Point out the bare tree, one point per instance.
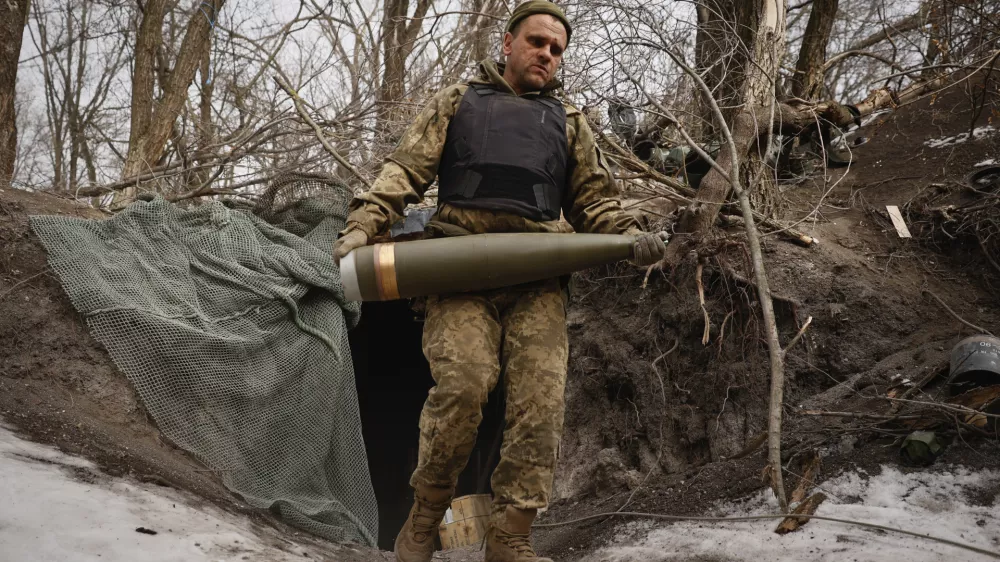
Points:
(359, 69)
(76, 81)
(148, 41)
(14, 16)
(145, 150)
(358, 87)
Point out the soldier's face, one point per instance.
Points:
(534, 53)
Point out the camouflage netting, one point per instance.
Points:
(234, 333)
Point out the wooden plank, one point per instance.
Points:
(808, 479)
(897, 221)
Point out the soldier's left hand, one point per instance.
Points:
(649, 248)
(346, 243)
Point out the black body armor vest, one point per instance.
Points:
(506, 153)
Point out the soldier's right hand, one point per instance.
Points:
(346, 243)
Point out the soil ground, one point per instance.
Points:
(653, 415)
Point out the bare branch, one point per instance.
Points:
(319, 132)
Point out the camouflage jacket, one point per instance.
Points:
(591, 203)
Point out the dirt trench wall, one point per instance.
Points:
(57, 384)
(622, 408)
(705, 403)
(44, 340)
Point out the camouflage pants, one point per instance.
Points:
(468, 338)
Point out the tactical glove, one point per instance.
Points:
(649, 248)
(346, 243)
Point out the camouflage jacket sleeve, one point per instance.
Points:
(593, 203)
(409, 170)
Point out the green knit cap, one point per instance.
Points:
(532, 7)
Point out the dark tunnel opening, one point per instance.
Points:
(392, 379)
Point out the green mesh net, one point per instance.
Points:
(233, 330)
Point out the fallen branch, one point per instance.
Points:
(922, 383)
(775, 356)
(954, 408)
(797, 337)
(752, 446)
(977, 398)
(736, 277)
(744, 127)
(807, 507)
(808, 478)
(789, 233)
(957, 317)
(8, 292)
(858, 415)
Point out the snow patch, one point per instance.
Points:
(977, 133)
(56, 507)
(987, 162)
(937, 503)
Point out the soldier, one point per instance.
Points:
(509, 157)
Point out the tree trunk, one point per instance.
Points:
(745, 88)
(146, 149)
(481, 34)
(704, 49)
(206, 129)
(939, 41)
(88, 161)
(77, 130)
(398, 38)
(13, 18)
(807, 82)
(148, 41)
(55, 106)
(391, 90)
(724, 40)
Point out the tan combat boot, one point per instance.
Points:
(415, 542)
(509, 537)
